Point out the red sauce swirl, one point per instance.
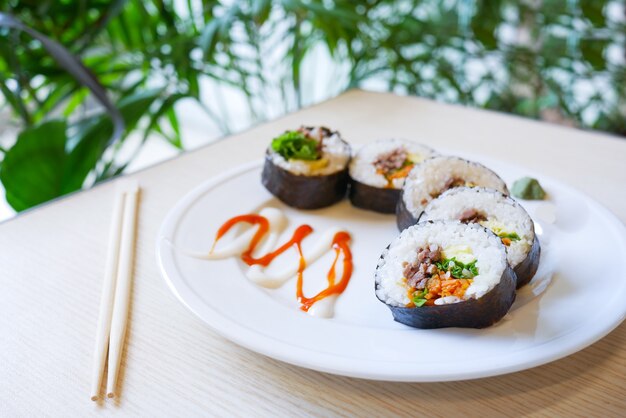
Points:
(340, 244)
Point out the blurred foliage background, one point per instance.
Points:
(561, 61)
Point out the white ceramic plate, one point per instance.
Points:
(571, 303)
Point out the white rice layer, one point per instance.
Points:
(428, 180)
(362, 167)
(503, 215)
(335, 157)
(486, 248)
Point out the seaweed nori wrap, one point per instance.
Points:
(378, 170)
(424, 286)
(404, 218)
(377, 199)
(526, 270)
(472, 313)
(304, 192)
(307, 168)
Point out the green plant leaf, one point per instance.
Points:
(593, 52)
(216, 28)
(14, 101)
(167, 109)
(554, 48)
(175, 139)
(592, 10)
(32, 169)
(208, 39)
(485, 22)
(90, 142)
(261, 10)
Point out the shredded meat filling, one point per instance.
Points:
(322, 133)
(391, 161)
(471, 216)
(453, 182)
(418, 273)
(449, 184)
(306, 130)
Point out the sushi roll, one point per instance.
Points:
(439, 274)
(378, 170)
(307, 168)
(436, 175)
(499, 213)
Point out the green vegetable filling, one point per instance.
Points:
(419, 297)
(457, 269)
(510, 235)
(528, 188)
(404, 165)
(296, 145)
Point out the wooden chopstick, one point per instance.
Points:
(114, 304)
(106, 301)
(122, 290)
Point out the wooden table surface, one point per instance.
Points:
(52, 262)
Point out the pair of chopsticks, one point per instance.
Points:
(114, 304)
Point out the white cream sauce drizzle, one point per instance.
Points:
(259, 275)
(274, 279)
(324, 308)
